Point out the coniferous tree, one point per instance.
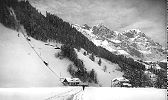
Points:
(92, 57)
(99, 62)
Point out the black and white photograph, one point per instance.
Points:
(83, 50)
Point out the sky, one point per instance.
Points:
(118, 15)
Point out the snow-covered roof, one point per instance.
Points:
(127, 84)
(120, 79)
(71, 80)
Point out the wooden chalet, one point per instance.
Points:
(71, 81)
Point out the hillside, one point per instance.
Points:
(51, 28)
(106, 69)
(20, 65)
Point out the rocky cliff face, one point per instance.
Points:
(131, 42)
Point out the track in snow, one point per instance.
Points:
(72, 93)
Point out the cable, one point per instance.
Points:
(19, 27)
(41, 57)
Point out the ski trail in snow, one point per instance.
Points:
(56, 96)
(70, 93)
(78, 96)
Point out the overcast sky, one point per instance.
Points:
(118, 15)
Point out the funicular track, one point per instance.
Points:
(20, 29)
(72, 92)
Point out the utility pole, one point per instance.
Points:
(60, 77)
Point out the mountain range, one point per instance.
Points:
(132, 43)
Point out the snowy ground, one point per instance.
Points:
(20, 65)
(76, 93)
(48, 53)
(58, 93)
(124, 94)
(104, 76)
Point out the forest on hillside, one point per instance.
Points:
(53, 28)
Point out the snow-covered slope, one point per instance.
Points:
(104, 77)
(48, 53)
(21, 66)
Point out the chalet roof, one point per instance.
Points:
(83, 84)
(127, 84)
(71, 80)
(120, 79)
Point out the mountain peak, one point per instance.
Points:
(131, 33)
(101, 25)
(132, 30)
(85, 26)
